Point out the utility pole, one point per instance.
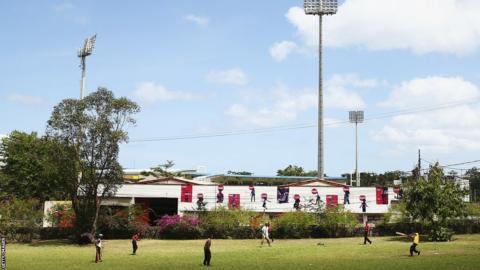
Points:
(419, 165)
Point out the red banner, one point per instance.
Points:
(332, 200)
(234, 201)
(381, 195)
(186, 194)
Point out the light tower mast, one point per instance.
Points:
(82, 54)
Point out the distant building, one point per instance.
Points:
(178, 195)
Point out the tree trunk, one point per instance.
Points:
(97, 211)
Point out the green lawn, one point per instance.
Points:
(344, 253)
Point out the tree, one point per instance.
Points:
(435, 200)
(94, 127)
(35, 167)
(369, 179)
(473, 176)
(164, 170)
(293, 170)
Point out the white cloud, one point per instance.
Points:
(25, 99)
(338, 93)
(445, 26)
(282, 104)
(60, 7)
(280, 50)
(199, 20)
(431, 90)
(82, 20)
(149, 92)
(452, 128)
(230, 76)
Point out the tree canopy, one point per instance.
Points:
(94, 127)
(434, 199)
(293, 170)
(36, 167)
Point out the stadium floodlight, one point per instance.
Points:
(356, 117)
(320, 8)
(82, 54)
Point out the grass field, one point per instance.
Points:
(344, 253)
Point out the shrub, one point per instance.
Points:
(336, 222)
(294, 225)
(61, 215)
(225, 223)
(20, 219)
(176, 227)
(440, 234)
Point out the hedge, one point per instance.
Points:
(228, 231)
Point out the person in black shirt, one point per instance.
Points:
(364, 205)
(346, 197)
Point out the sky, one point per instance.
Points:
(250, 68)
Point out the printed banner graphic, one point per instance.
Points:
(282, 194)
(186, 195)
(234, 201)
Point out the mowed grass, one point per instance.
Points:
(344, 253)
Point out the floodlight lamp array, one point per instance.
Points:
(87, 47)
(356, 116)
(320, 7)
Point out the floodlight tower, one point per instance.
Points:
(82, 54)
(356, 117)
(320, 8)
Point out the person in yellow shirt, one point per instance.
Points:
(416, 241)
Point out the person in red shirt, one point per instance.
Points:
(366, 230)
(135, 238)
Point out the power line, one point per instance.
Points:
(452, 166)
(412, 110)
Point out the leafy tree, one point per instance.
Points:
(35, 167)
(474, 176)
(369, 179)
(164, 170)
(435, 200)
(293, 170)
(94, 127)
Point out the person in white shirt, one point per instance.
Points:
(265, 234)
(98, 248)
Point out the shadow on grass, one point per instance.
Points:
(42, 243)
(398, 239)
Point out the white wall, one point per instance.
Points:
(210, 193)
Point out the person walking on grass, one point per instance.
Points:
(366, 230)
(98, 248)
(265, 234)
(207, 254)
(416, 240)
(135, 238)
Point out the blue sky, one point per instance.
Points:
(208, 67)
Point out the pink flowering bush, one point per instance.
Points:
(176, 227)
